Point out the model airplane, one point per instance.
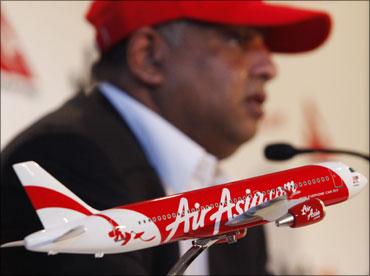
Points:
(295, 197)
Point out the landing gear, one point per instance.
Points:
(231, 239)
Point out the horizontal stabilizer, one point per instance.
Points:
(74, 232)
(13, 244)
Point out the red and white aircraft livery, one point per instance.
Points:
(295, 197)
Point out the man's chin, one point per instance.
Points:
(238, 140)
(228, 143)
(248, 133)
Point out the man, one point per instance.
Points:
(180, 85)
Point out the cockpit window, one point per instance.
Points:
(351, 170)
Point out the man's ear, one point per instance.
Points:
(145, 51)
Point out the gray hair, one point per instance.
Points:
(115, 58)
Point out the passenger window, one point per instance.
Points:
(154, 219)
(139, 222)
(169, 216)
(304, 183)
(322, 179)
(309, 182)
(216, 204)
(313, 181)
(300, 184)
(318, 180)
(212, 205)
(159, 218)
(173, 215)
(164, 217)
(327, 178)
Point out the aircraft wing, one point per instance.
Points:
(270, 210)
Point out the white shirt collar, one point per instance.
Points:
(177, 159)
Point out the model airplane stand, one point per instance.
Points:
(197, 248)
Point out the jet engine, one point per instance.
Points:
(305, 213)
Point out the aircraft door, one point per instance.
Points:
(338, 182)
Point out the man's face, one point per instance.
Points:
(214, 86)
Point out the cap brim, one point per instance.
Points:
(288, 29)
(297, 30)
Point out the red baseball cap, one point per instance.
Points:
(288, 29)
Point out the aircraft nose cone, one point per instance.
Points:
(359, 182)
(363, 181)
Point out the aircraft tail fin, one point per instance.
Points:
(53, 202)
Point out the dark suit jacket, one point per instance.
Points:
(86, 145)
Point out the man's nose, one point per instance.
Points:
(263, 67)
